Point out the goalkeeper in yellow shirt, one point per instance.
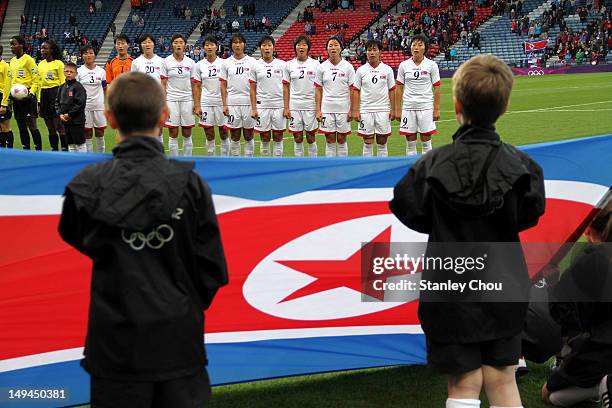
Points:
(23, 70)
(51, 73)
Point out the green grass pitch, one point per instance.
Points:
(542, 108)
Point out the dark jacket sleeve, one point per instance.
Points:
(78, 100)
(411, 201)
(532, 202)
(71, 225)
(58, 100)
(211, 271)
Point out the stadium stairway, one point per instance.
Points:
(194, 37)
(496, 38)
(357, 19)
(54, 14)
(286, 23)
(109, 42)
(275, 10)
(11, 26)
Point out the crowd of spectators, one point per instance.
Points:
(442, 25)
(333, 5)
(589, 45)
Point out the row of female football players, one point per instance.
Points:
(240, 95)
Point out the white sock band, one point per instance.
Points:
(462, 403)
(187, 146)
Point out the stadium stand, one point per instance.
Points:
(441, 23)
(71, 24)
(358, 19)
(163, 18)
(3, 7)
(275, 11)
(498, 38)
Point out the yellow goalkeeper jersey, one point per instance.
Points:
(23, 71)
(4, 67)
(51, 74)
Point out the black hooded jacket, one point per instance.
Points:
(476, 189)
(149, 225)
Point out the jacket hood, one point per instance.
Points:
(474, 173)
(140, 188)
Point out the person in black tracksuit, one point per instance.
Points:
(149, 225)
(70, 107)
(581, 303)
(476, 189)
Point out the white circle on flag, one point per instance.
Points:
(270, 282)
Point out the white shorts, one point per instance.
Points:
(239, 118)
(303, 120)
(212, 116)
(374, 123)
(334, 122)
(270, 119)
(181, 114)
(95, 119)
(420, 121)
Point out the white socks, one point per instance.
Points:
(173, 146)
(298, 149)
(161, 139)
(381, 150)
(249, 148)
(330, 150)
(211, 147)
(605, 393)
(225, 147)
(81, 148)
(426, 146)
(278, 149)
(187, 146)
(100, 147)
(89, 145)
(462, 403)
(368, 150)
(234, 148)
(264, 149)
(342, 150)
(411, 148)
(313, 150)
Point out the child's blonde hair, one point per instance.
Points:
(483, 85)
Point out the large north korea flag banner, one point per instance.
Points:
(293, 231)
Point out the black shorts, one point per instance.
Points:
(453, 358)
(25, 108)
(8, 114)
(192, 391)
(47, 103)
(75, 134)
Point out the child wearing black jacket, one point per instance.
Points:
(149, 226)
(582, 302)
(476, 189)
(70, 106)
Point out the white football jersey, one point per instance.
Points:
(147, 66)
(374, 85)
(418, 81)
(207, 73)
(178, 74)
(237, 74)
(301, 78)
(269, 78)
(93, 81)
(336, 81)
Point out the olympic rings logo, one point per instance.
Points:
(155, 239)
(535, 72)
